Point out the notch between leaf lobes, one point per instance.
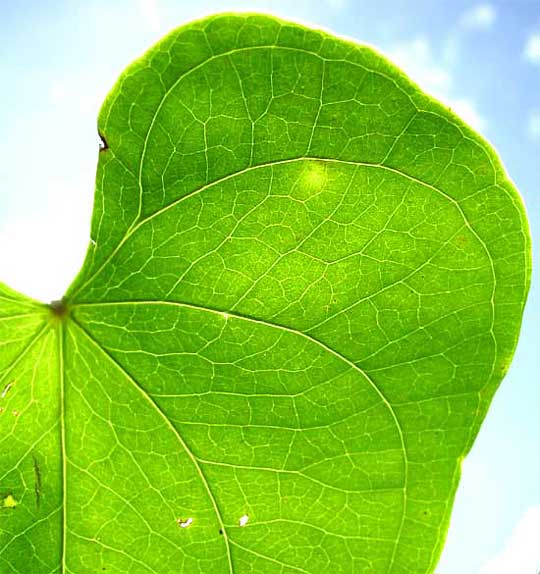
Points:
(103, 145)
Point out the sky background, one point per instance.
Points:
(59, 59)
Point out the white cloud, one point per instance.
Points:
(48, 243)
(522, 552)
(336, 4)
(58, 93)
(466, 110)
(534, 125)
(480, 17)
(151, 14)
(79, 96)
(417, 60)
(532, 48)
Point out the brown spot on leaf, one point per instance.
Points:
(59, 308)
(37, 481)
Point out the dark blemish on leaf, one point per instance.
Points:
(1, 410)
(505, 365)
(103, 145)
(59, 308)
(221, 531)
(15, 413)
(37, 481)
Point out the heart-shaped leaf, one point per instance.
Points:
(305, 283)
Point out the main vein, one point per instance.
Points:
(317, 342)
(61, 370)
(169, 424)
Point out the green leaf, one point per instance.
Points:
(304, 285)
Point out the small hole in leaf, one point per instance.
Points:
(243, 520)
(221, 531)
(184, 523)
(6, 390)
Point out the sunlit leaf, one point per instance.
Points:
(304, 284)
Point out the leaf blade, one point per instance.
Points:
(282, 213)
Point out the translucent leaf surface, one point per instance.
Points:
(304, 284)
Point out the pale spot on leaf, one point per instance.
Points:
(10, 502)
(313, 180)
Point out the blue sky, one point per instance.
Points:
(60, 58)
